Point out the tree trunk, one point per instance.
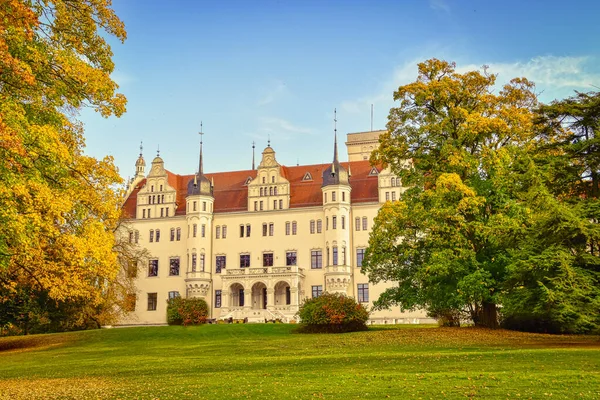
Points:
(487, 316)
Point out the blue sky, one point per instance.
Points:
(250, 69)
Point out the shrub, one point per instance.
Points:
(332, 312)
(187, 311)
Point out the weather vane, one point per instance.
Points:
(201, 133)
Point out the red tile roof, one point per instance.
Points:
(231, 193)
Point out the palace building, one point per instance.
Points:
(255, 243)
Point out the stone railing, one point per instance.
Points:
(293, 269)
(198, 275)
(338, 269)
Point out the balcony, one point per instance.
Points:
(293, 269)
(198, 275)
(338, 270)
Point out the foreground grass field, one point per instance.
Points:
(268, 361)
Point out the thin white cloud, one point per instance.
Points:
(122, 78)
(274, 92)
(271, 124)
(555, 77)
(439, 5)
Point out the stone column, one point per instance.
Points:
(248, 299)
(270, 298)
(294, 297)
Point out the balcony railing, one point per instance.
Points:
(292, 269)
(343, 269)
(198, 275)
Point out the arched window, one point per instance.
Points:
(275, 190)
(271, 191)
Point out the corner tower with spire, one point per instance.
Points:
(199, 218)
(336, 191)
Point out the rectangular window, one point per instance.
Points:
(319, 226)
(343, 222)
(261, 205)
(194, 262)
(202, 262)
(174, 266)
(148, 213)
(241, 297)
(144, 213)
(387, 196)
(203, 206)
(357, 223)
(364, 220)
(167, 211)
(312, 226)
(326, 223)
(325, 197)
(172, 234)
(317, 291)
(393, 196)
(256, 206)
(360, 254)
(151, 235)
(264, 229)
(332, 196)
(194, 230)
(157, 235)
(267, 259)
(271, 229)
(316, 259)
(287, 228)
(203, 230)
(290, 258)
(280, 204)
(363, 292)
(194, 207)
(248, 230)
(294, 228)
(153, 267)
(162, 212)
(274, 204)
(220, 263)
(334, 222)
(152, 301)
(242, 230)
(217, 299)
(244, 260)
(173, 294)
(178, 236)
(137, 236)
(132, 268)
(343, 196)
(335, 255)
(218, 232)
(224, 231)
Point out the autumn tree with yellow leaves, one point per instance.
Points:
(58, 207)
(483, 228)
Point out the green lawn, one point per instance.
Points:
(268, 361)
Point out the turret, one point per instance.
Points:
(199, 217)
(336, 207)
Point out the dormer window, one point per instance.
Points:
(307, 177)
(373, 172)
(248, 180)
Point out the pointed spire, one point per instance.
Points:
(253, 146)
(201, 169)
(335, 149)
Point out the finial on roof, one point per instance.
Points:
(201, 166)
(201, 133)
(349, 171)
(141, 148)
(253, 146)
(158, 151)
(269, 141)
(335, 150)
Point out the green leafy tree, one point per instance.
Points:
(452, 140)
(554, 279)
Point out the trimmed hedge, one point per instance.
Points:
(186, 312)
(332, 313)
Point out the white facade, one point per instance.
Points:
(255, 243)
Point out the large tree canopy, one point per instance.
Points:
(478, 190)
(58, 207)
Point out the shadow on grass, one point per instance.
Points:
(34, 342)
